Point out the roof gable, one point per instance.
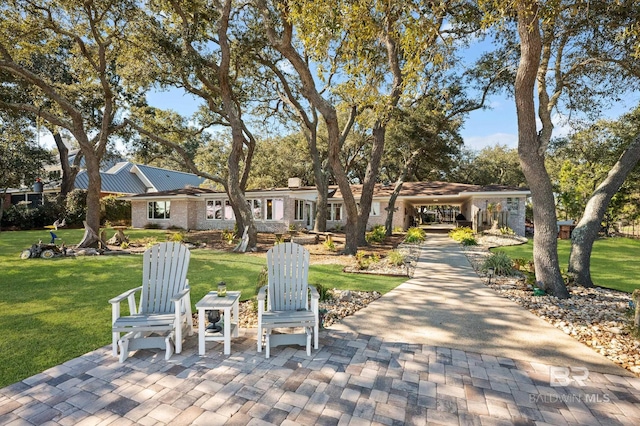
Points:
(129, 178)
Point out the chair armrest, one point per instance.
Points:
(181, 295)
(124, 295)
(314, 292)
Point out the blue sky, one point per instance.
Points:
(497, 124)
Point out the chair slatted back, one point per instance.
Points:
(288, 273)
(164, 274)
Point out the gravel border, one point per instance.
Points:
(598, 317)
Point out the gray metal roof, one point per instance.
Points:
(165, 180)
(121, 179)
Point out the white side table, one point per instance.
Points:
(226, 304)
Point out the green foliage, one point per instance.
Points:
(520, 263)
(330, 245)
(229, 236)
(21, 158)
(150, 225)
(415, 235)
(326, 294)
(39, 297)
(464, 235)
(398, 230)
(376, 235)
(505, 230)
(177, 237)
(497, 164)
(395, 258)
(115, 210)
(364, 260)
(500, 262)
(76, 210)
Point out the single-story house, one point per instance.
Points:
(277, 209)
(121, 178)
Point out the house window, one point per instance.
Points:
(228, 211)
(299, 213)
(274, 209)
(375, 208)
(256, 208)
(219, 210)
(513, 205)
(334, 211)
(159, 210)
(214, 209)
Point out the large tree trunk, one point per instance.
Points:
(282, 42)
(69, 172)
(586, 232)
(93, 202)
(235, 180)
(320, 224)
(391, 208)
(320, 174)
(373, 166)
(545, 253)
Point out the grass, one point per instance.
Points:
(55, 310)
(614, 261)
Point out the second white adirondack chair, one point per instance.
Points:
(163, 313)
(290, 301)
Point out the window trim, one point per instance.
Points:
(273, 209)
(151, 207)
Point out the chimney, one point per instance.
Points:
(294, 183)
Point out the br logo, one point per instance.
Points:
(564, 376)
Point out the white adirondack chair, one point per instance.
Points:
(291, 301)
(163, 313)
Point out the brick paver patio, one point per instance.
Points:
(353, 379)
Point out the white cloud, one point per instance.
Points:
(479, 142)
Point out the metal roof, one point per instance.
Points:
(165, 180)
(129, 178)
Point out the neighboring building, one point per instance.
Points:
(275, 210)
(122, 178)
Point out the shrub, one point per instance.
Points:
(330, 245)
(505, 230)
(398, 230)
(500, 262)
(229, 236)
(363, 261)
(152, 226)
(324, 292)
(469, 241)
(376, 235)
(395, 258)
(76, 207)
(460, 233)
(176, 237)
(519, 263)
(415, 235)
(115, 210)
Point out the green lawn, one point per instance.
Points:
(55, 310)
(614, 261)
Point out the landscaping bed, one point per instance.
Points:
(598, 317)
